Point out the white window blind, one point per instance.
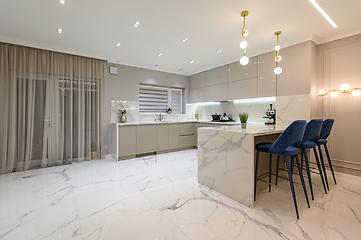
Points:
(176, 100)
(154, 99)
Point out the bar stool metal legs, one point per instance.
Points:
(308, 171)
(319, 169)
(330, 164)
(256, 176)
(323, 166)
(270, 173)
(292, 186)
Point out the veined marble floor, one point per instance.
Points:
(158, 198)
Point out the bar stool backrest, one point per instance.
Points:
(326, 128)
(292, 135)
(312, 131)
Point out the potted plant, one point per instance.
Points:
(243, 117)
(169, 110)
(122, 117)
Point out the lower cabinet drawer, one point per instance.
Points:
(186, 141)
(146, 139)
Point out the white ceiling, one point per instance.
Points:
(94, 27)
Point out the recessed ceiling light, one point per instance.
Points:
(156, 65)
(191, 61)
(118, 44)
(219, 51)
(323, 13)
(60, 30)
(136, 24)
(62, 1)
(181, 70)
(160, 54)
(185, 40)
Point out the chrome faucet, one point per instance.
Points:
(160, 118)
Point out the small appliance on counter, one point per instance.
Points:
(218, 118)
(271, 115)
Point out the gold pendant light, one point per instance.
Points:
(244, 60)
(278, 58)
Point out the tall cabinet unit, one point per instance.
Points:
(197, 88)
(267, 84)
(216, 84)
(242, 80)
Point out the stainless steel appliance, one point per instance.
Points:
(224, 118)
(271, 115)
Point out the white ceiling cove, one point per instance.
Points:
(94, 27)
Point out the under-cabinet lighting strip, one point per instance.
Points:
(267, 99)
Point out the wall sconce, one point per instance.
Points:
(344, 88)
(278, 58)
(244, 60)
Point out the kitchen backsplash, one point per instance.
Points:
(255, 108)
(133, 115)
(288, 108)
(293, 107)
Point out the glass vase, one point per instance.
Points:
(122, 118)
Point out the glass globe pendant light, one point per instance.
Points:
(243, 45)
(278, 58)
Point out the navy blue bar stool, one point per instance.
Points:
(312, 133)
(283, 147)
(325, 132)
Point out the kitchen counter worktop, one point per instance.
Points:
(170, 122)
(150, 123)
(253, 129)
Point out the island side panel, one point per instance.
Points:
(226, 163)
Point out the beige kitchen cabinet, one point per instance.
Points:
(126, 141)
(181, 135)
(216, 93)
(186, 129)
(186, 135)
(236, 71)
(197, 95)
(162, 137)
(216, 76)
(196, 126)
(146, 139)
(197, 80)
(266, 78)
(173, 136)
(242, 89)
(186, 141)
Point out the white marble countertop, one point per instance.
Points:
(150, 123)
(170, 122)
(254, 129)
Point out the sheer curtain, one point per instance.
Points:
(52, 108)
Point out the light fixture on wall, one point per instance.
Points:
(278, 58)
(344, 88)
(244, 60)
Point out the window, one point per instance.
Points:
(154, 99)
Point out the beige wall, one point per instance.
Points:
(125, 85)
(340, 62)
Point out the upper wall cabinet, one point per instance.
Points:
(216, 93)
(197, 80)
(238, 72)
(267, 84)
(242, 89)
(197, 95)
(216, 76)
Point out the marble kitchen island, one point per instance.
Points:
(226, 158)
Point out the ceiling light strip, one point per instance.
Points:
(314, 3)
